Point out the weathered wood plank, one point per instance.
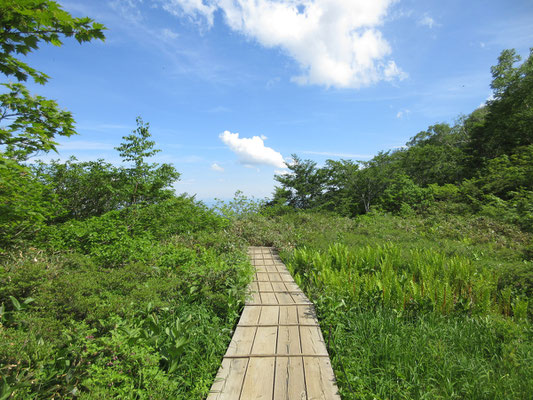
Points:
(307, 315)
(312, 342)
(274, 276)
(265, 340)
(284, 298)
(319, 379)
(288, 315)
(288, 340)
(242, 340)
(259, 380)
(268, 298)
(279, 286)
(250, 316)
(265, 286)
(290, 381)
(269, 316)
(229, 380)
(262, 276)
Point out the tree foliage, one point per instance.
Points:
(509, 120)
(29, 123)
(148, 182)
(485, 157)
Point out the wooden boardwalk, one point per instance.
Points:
(277, 351)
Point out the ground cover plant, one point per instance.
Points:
(121, 314)
(411, 306)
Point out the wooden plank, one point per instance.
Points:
(319, 379)
(250, 315)
(307, 315)
(288, 315)
(254, 298)
(228, 383)
(259, 380)
(288, 340)
(279, 286)
(265, 340)
(262, 276)
(299, 297)
(241, 342)
(291, 286)
(254, 287)
(269, 316)
(289, 382)
(286, 277)
(265, 286)
(268, 298)
(312, 342)
(274, 276)
(284, 298)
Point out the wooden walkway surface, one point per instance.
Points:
(277, 351)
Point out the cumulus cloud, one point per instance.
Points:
(336, 42)
(216, 167)
(252, 151)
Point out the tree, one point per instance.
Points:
(147, 183)
(82, 189)
(435, 155)
(509, 120)
(337, 196)
(369, 183)
(29, 123)
(302, 186)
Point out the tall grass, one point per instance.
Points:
(408, 281)
(416, 323)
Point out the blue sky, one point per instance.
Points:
(319, 78)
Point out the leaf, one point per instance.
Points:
(16, 303)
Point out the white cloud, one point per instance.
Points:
(402, 113)
(194, 9)
(336, 42)
(169, 34)
(426, 20)
(252, 151)
(216, 167)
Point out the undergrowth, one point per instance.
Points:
(136, 304)
(413, 307)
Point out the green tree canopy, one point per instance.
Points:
(29, 123)
(509, 121)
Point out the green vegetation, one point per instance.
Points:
(419, 261)
(413, 306)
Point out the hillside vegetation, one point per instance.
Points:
(420, 261)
